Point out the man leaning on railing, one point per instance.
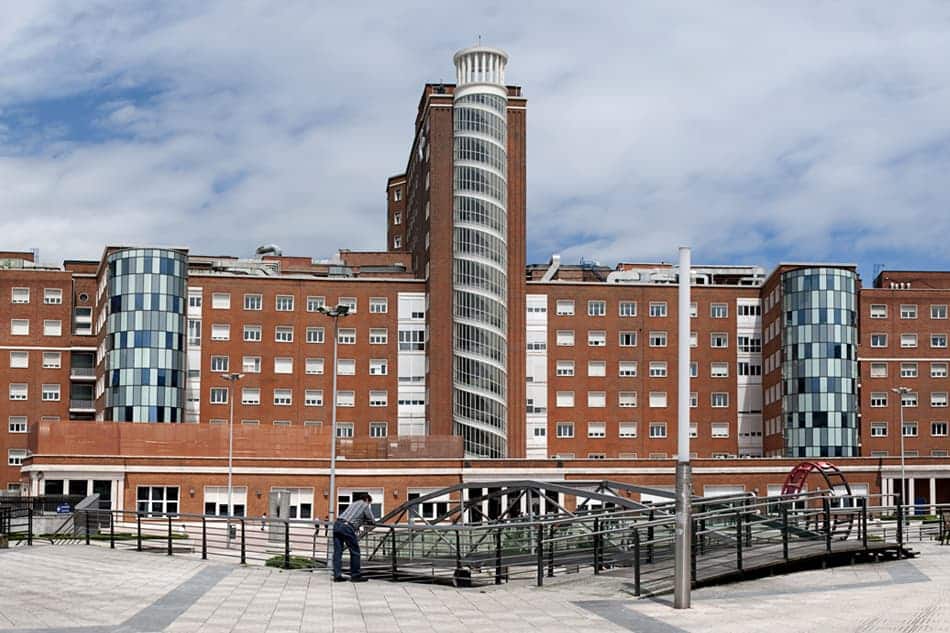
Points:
(345, 532)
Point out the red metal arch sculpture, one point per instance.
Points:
(834, 479)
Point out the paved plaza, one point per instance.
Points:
(80, 589)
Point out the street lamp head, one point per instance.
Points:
(901, 390)
(232, 377)
(340, 310)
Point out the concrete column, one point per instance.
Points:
(933, 495)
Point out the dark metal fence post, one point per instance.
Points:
(498, 556)
(458, 549)
(739, 541)
(693, 549)
(900, 529)
(552, 545)
(169, 535)
(650, 539)
(111, 530)
(87, 526)
(138, 531)
(286, 542)
(29, 526)
(392, 548)
(864, 521)
(204, 538)
(243, 544)
(596, 546)
(540, 555)
(636, 561)
(748, 525)
(826, 509)
(785, 531)
(702, 536)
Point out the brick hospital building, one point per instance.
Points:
(457, 359)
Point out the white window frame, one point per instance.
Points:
(220, 300)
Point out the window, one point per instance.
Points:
(658, 308)
(908, 370)
(220, 332)
(693, 339)
(313, 366)
(693, 310)
(879, 340)
(564, 368)
(749, 369)
(20, 295)
(719, 340)
(52, 328)
(15, 456)
(345, 430)
(194, 300)
(221, 301)
(219, 363)
(252, 333)
(628, 308)
(565, 430)
(693, 430)
(910, 429)
(596, 338)
(251, 396)
(253, 302)
(693, 399)
(283, 365)
(878, 311)
(628, 429)
(938, 370)
(909, 399)
(657, 430)
(284, 303)
(628, 368)
(938, 340)
(378, 429)
(349, 302)
(627, 399)
(628, 339)
(747, 309)
(938, 312)
(378, 367)
(938, 399)
(54, 296)
(908, 311)
(378, 398)
(751, 344)
(283, 397)
(346, 336)
(19, 327)
(17, 424)
(412, 341)
(19, 360)
(377, 336)
(194, 332)
(315, 303)
(878, 429)
(564, 307)
(345, 398)
(596, 399)
(564, 399)
(694, 370)
(879, 399)
(596, 429)
(719, 310)
(284, 334)
(50, 393)
(378, 305)
(315, 334)
(719, 400)
(908, 340)
(251, 364)
(152, 500)
(938, 429)
(346, 367)
(397, 220)
(596, 308)
(596, 368)
(219, 395)
(720, 429)
(658, 369)
(719, 370)
(657, 339)
(216, 500)
(313, 398)
(878, 370)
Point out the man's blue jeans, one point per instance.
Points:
(345, 535)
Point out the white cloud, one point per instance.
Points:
(753, 133)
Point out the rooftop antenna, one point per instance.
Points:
(479, 40)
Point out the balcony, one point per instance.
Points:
(82, 373)
(82, 405)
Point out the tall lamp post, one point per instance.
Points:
(337, 313)
(232, 379)
(901, 391)
(682, 544)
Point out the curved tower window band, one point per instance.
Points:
(480, 253)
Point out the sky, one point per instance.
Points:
(753, 132)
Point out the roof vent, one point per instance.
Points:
(268, 249)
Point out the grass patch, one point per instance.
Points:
(296, 562)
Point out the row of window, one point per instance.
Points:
(51, 296)
(908, 311)
(657, 309)
(909, 370)
(628, 430)
(409, 340)
(909, 429)
(628, 399)
(937, 341)
(598, 338)
(49, 393)
(312, 366)
(937, 399)
(21, 327)
(344, 430)
(20, 359)
(286, 303)
(657, 369)
(251, 396)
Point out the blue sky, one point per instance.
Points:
(756, 134)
